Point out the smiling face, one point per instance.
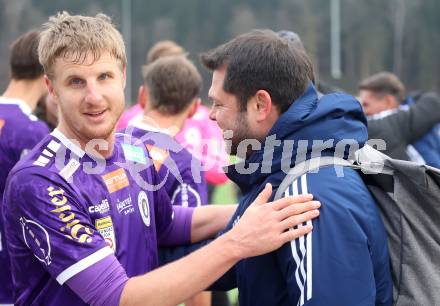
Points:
(226, 112)
(90, 96)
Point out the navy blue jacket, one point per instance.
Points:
(344, 261)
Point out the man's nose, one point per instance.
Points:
(93, 94)
(212, 113)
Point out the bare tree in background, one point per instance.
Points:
(398, 8)
(11, 17)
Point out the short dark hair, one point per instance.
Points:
(173, 83)
(384, 83)
(24, 61)
(260, 59)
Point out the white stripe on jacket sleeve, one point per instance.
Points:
(302, 249)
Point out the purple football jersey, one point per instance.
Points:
(65, 211)
(179, 171)
(20, 131)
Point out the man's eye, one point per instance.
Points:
(76, 81)
(104, 76)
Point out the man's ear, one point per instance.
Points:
(143, 96)
(391, 101)
(261, 105)
(51, 89)
(124, 76)
(194, 106)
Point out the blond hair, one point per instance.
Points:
(76, 37)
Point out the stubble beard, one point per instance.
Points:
(241, 132)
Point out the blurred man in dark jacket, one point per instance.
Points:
(407, 124)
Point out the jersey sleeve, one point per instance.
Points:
(162, 206)
(173, 223)
(336, 263)
(26, 138)
(37, 131)
(50, 223)
(101, 284)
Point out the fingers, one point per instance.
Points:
(284, 202)
(292, 234)
(296, 209)
(264, 195)
(298, 219)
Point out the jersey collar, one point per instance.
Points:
(150, 128)
(71, 145)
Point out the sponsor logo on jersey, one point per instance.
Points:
(2, 124)
(144, 208)
(184, 194)
(107, 231)
(100, 208)
(158, 155)
(125, 207)
(116, 180)
(72, 227)
(134, 153)
(37, 240)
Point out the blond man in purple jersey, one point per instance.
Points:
(84, 212)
